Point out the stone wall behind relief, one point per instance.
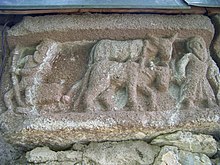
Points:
(146, 85)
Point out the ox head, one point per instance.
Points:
(164, 46)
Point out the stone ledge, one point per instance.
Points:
(119, 27)
(175, 148)
(61, 131)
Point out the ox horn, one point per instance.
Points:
(174, 37)
(153, 38)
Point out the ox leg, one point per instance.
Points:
(106, 99)
(92, 93)
(90, 97)
(152, 96)
(132, 85)
(153, 100)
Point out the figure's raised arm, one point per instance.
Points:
(182, 64)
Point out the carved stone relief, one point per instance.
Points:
(109, 82)
(37, 81)
(130, 75)
(194, 71)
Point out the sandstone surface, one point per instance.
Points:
(89, 79)
(63, 28)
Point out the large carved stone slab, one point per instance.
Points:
(137, 86)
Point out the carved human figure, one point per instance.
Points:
(28, 73)
(192, 69)
(127, 65)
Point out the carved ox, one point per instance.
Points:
(119, 64)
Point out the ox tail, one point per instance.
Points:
(85, 80)
(84, 85)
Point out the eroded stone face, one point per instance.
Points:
(112, 89)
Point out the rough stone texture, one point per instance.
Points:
(170, 155)
(82, 78)
(121, 153)
(95, 27)
(56, 163)
(7, 152)
(189, 142)
(216, 41)
(1, 27)
(6, 85)
(216, 161)
(105, 153)
(1, 102)
(79, 147)
(50, 131)
(41, 155)
(71, 156)
(41, 103)
(120, 77)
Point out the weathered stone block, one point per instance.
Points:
(41, 155)
(187, 141)
(4, 62)
(129, 153)
(100, 77)
(170, 155)
(117, 153)
(7, 152)
(121, 153)
(71, 156)
(63, 28)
